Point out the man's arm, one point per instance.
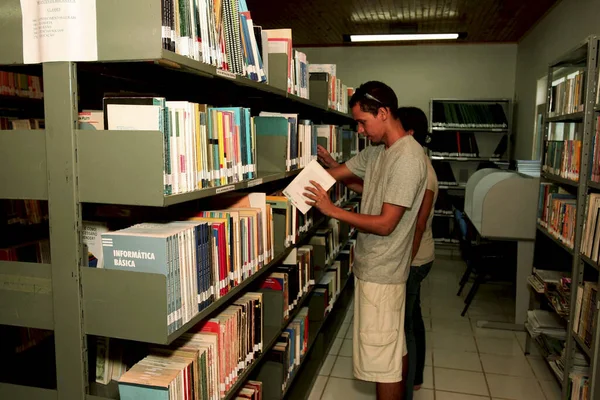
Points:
(422, 218)
(341, 173)
(382, 224)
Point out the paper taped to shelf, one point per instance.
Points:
(296, 189)
(59, 30)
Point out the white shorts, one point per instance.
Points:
(379, 343)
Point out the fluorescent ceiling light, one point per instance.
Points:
(403, 37)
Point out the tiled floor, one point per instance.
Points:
(464, 362)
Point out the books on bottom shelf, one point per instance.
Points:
(291, 346)
(590, 241)
(546, 323)
(207, 360)
(252, 390)
(557, 287)
(586, 312)
(37, 251)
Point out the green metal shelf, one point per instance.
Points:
(9, 392)
(574, 117)
(594, 185)
(559, 179)
(26, 295)
(555, 240)
(586, 349)
(590, 262)
(23, 177)
(483, 130)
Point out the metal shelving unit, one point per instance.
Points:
(584, 56)
(458, 162)
(69, 167)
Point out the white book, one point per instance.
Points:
(296, 189)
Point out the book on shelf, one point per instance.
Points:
(23, 212)
(36, 251)
(590, 241)
(92, 120)
(17, 339)
(92, 239)
(557, 212)
(21, 85)
(221, 34)
(472, 115)
(454, 144)
(594, 170)
(327, 89)
(204, 362)
(563, 158)
(110, 364)
(252, 390)
(567, 95)
(586, 312)
(203, 146)
(580, 385)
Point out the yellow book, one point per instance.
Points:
(222, 159)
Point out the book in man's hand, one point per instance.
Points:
(296, 189)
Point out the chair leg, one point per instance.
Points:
(465, 278)
(478, 281)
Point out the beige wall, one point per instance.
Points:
(568, 24)
(419, 73)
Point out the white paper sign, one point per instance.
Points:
(59, 30)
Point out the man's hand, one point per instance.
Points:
(320, 199)
(326, 158)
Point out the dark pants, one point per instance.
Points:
(414, 328)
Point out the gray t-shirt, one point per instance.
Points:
(397, 175)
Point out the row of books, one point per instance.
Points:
(16, 339)
(325, 80)
(291, 347)
(23, 212)
(21, 85)
(204, 362)
(590, 241)
(13, 123)
(579, 386)
(459, 144)
(563, 158)
(468, 115)
(203, 258)
(208, 146)
(567, 94)
(557, 212)
(595, 164)
(586, 312)
(36, 251)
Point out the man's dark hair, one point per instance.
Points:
(373, 95)
(414, 118)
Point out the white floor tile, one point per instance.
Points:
(456, 396)
(446, 341)
(455, 326)
(327, 365)
(343, 331)
(349, 390)
(428, 378)
(335, 347)
(452, 380)
(541, 369)
(456, 360)
(510, 387)
(423, 394)
(318, 388)
(427, 323)
(506, 365)
(551, 389)
(350, 333)
(506, 347)
(487, 332)
(428, 355)
(343, 368)
(349, 317)
(346, 349)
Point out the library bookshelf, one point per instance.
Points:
(569, 132)
(72, 168)
(464, 136)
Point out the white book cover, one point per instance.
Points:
(296, 189)
(92, 238)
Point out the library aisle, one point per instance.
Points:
(463, 362)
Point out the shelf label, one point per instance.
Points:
(59, 31)
(226, 74)
(225, 189)
(255, 182)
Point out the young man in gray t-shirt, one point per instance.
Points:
(394, 174)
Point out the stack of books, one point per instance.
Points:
(590, 241)
(563, 158)
(557, 212)
(567, 94)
